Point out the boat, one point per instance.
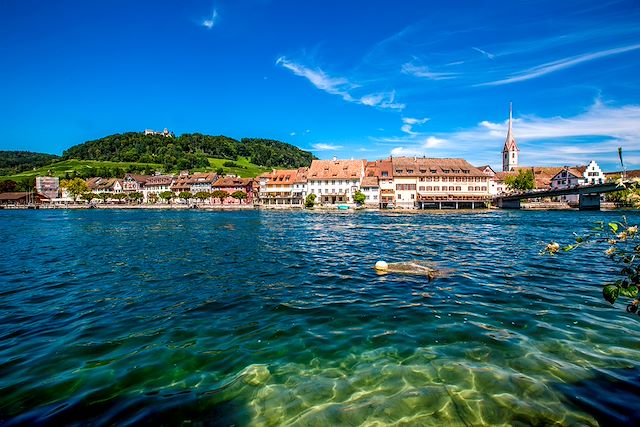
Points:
(343, 207)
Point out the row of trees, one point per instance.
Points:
(188, 151)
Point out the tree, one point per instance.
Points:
(89, 196)
(220, 194)
(523, 181)
(359, 197)
(202, 195)
(152, 197)
(166, 196)
(103, 197)
(220, 171)
(8, 186)
(185, 195)
(135, 197)
(239, 195)
(119, 196)
(310, 200)
(75, 187)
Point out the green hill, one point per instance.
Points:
(13, 162)
(189, 151)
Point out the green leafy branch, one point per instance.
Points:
(624, 250)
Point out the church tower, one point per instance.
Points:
(510, 150)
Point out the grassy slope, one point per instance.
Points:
(60, 168)
(246, 169)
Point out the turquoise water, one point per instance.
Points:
(278, 318)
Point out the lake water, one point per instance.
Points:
(278, 318)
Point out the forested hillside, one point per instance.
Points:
(12, 162)
(188, 150)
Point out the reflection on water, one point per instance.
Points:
(278, 318)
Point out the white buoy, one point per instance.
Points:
(381, 266)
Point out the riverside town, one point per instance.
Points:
(392, 183)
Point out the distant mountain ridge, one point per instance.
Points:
(188, 150)
(12, 162)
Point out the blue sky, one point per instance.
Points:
(356, 79)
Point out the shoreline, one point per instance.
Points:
(605, 206)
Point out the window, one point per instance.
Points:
(451, 188)
(436, 188)
(409, 170)
(399, 196)
(429, 188)
(484, 188)
(413, 196)
(385, 173)
(421, 188)
(398, 170)
(458, 188)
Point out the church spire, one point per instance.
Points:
(510, 150)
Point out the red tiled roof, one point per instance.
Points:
(336, 169)
(369, 181)
(233, 182)
(376, 168)
(425, 166)
(541, 174)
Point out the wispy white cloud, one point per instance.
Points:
(382, 100)
(341, 86)
(594, 134)
(292, 134)
(210, 22)
(558, 65)
(326, 147)
(317, 77)
(409, 122)
(423, 72)
(484, 52)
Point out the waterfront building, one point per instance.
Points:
(181, 183)
(231, 185)
(22, 198)
(335, 181)
(133, 183)
(371, 190)
(510, 150)
(155, 185)
(202, 182)
(377, 185)
(49, 186)
(568, 177)
(283, 188)
(105, 185)
(593, 174)
(436, 183)
(497, 184)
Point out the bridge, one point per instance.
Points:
(588, 195)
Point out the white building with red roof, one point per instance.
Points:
(335, 181)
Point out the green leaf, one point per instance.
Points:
(568, 248)
(631, 291)
(613, 226)
(579, 239)
(610, 293)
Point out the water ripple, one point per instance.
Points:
(277, 318)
